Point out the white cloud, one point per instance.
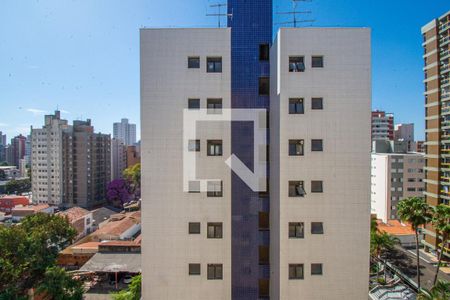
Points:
(36, 112)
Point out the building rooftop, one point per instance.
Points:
(395, 227)
(120, 223)
(113, 262)
(35, 208)
(74, 213)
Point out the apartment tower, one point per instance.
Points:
(125, 131)
(118, 158)
(436, 41)
(307, 236)
(46, 157)
(382, 126)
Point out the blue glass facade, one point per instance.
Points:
(251, 26)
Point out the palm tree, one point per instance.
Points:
(417, 212)
(440, 291)
(441, 222)
(379, 243)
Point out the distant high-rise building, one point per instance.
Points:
(2, 139)
(86, 160)
(18, 149)
(305, 238)
(382, 126)
(118, 158)
(133, 156)
(125, 131)
(2, 147)
(436, 41)
(405, 132)
(46, 157)
(396, 174)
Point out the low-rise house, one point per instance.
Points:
(20, 212)
(7, 203)
(81, 219)
(120, 227)
(100, 217)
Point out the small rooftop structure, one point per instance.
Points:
(74, 213)
(113, 263)
(392, 292)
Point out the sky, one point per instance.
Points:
(82, 56)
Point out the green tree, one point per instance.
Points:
(441, 222)
(417, 212)
(133, 175)
(18, 186)
(58, 285)
(440, 291)
(28, 249)
(379, 244)
(133, 292)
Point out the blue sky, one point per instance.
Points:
(83, 55)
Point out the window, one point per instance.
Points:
(296, 147)
(264, 86)
(295, 271)
(194, 227)
(214, 189)
(264, 52)
(214, 106)
(193, 103)
(296, 189)
(214, 64)
(317, 62)
(215, 271)
(214, 147)
(194, 62)
(194, 269)
(296, 64)
(194, 145)
(316, 186)
(263, 220)
(411, 189)
(411, 180)
(316, 103)
(194, 186)
(316, 269)
(296, 230)
(316, 228)
(316, 145)
(296, 106)
(214, 230)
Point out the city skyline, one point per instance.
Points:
(90, 87)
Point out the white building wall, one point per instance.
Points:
(381, 179)
(166, 85)
(343, 166)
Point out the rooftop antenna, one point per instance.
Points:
(295, 13)
(219, 13)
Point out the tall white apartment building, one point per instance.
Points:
(396, 174)
(125, 131)
(46, 157)
(307, 237)
(118, 158)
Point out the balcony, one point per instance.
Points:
(444, 26)
(444, 41)
(444, 54)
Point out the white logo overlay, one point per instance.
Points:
(256, 180)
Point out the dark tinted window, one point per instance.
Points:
(316, 269)
(296, 189)
(296, 106)
(296, 271)
(317, 228)
(317, 103)
(296, 64)
(194, 103)
(316, 145)
(215, 271)
(194, 62)
(214, 64)
(264, 86)
(214, 231)
(316, 186)
(264, 52)
(194, 228)
(214, 106)
(296, 147)
(317, 61)
(296, 230)
(194, 269)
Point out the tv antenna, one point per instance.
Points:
(219, 13)
(294, 13)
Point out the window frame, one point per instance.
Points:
(293, 227)
(191, 271)
(301, 183)
(214, 272)
(296, 66)
(317, 107)
(264, 52)
(214, 106)
(216, 62)
(264, 89)
(217, 230)
(296, 144)
(322, 62)
(295, 103)
(191, 100)
(315, 272)
(317, 149)
(192, 230)
(216, 145)
(313, 190)
(294, 274)
(313, 224)
(196, 66)
(197, 145)
(214, 193)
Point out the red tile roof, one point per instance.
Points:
(74, 213)
(395, 227)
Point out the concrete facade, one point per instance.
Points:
(382, 126)
(118, 158)
(405, 132)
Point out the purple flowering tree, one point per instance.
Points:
(118, 192)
